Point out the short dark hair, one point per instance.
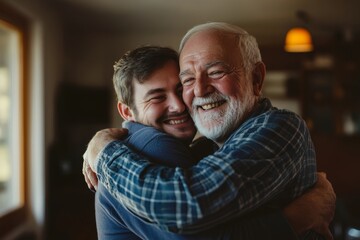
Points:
(138, 65)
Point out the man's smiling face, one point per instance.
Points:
(158, 103)
(217, 90)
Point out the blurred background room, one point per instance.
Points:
(56, 59)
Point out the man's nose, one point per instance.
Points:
(176, 104)
(202, 86)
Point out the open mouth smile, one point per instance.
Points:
(174, 122)
(178, 120)
(211, 105)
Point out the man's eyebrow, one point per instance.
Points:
(185, 72)
(215, 63)
(153, 91)
(207, 66)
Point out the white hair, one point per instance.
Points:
(248, 45)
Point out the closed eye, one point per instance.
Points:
(187, 81)
(216, 74)
(157, 99)
(217, 69)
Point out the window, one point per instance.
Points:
(12, 119)
(9, 120)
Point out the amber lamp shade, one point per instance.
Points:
(298, 40)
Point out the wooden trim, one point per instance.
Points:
(17, 21)
(12, 220)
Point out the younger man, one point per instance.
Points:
(149, 93)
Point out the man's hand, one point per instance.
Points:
(95, 146)
(90, 176)
(313, 210)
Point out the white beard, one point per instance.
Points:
(218, 125)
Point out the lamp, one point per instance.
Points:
(298, 40)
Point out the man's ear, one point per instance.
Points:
(125, 111)
(258, 78)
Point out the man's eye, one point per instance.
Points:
(216, 74)
(156, 99)
(187, 81)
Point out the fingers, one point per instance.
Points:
(87, 180)
(322, 180)
(325, 189)
(328, 235)
(328, 186)
(92, 177)
(115, 133)
(89, 176)
(95, 146)
(325, 232)
(89, 184)
(99, 142)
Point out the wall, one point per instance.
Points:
(90, 55)
(45, 65)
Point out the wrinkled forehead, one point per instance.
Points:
(209, 46)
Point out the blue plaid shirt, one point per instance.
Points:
(269, 160)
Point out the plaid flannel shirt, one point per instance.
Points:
(269, 158)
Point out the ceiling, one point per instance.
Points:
(267, 20)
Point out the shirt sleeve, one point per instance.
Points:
(265, 157)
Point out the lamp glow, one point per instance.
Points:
(298, 40)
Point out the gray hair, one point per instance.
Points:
(248, 45)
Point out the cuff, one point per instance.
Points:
(104, 154)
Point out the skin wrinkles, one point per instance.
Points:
(216, 88)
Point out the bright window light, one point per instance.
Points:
(10, 127)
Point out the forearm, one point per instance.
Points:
(182, 195)
(314, 210)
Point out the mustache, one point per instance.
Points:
(213, 97)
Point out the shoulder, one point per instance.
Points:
(266, 114)
(274, 124)
(273, 119)
(160, 147)
(135, 128)
(143, 138)
(141, 132)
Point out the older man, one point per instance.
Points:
(266, 157)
